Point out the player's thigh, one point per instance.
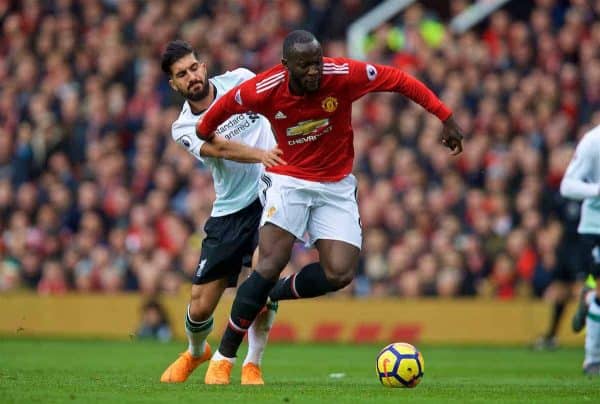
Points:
(335, 216)
(229, 243)
(275, 249)
(287, 203)
(338, 258)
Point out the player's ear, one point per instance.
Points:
(172, 84)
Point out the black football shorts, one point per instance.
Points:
(229, 244)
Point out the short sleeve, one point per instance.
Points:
(185, 135)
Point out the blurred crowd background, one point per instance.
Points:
(96, 197)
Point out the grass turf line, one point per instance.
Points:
(59, 371)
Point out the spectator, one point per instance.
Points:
(154, 324)
(94, 198)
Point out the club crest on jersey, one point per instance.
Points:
(371, 72)
(330, 104)
(271, 211)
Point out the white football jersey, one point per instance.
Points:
(582, 181)
(236, 184)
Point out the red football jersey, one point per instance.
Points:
(314, 131)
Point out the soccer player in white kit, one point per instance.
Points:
(582, 182)
(243, 142)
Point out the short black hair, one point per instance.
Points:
(296, 37)
(175, 50)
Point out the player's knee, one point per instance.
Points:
(270, 267)
(268, 272)
(198, 311)
(340, 279)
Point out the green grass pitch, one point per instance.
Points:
(71, 371)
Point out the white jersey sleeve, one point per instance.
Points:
(582, 181)
(579, 181)
(183, 132)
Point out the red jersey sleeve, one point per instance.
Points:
(367, 78)
(236, 101)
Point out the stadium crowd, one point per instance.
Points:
(95, 197)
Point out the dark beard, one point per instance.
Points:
(299, 84)
(198, 95)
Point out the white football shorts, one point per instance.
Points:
(323, 210)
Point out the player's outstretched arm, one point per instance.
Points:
(218, 147)
(364, 78)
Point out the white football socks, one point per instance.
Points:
(592, 334)
(197, 333)
(258, 334)
(217, 356)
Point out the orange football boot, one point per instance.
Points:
(182, 368)
(218, 372)
(251, 374)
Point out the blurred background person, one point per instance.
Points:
(154, 324)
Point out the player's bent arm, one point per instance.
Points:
(232, 102)
(221, 148)
(573, 188)
(218, 147)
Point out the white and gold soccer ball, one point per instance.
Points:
(400, 365)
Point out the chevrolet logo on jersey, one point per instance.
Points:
(307, 127)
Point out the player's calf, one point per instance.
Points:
(578, 320)
(249, 300)
(258, 333)
(592, 337)
(310, 281)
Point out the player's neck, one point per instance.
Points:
(295, 89)
(202, 105)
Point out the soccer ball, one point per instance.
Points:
(400, 365)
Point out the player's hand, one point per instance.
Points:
(273, 158)
(201, 135)
(452, 136)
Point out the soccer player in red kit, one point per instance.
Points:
(308, 100)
